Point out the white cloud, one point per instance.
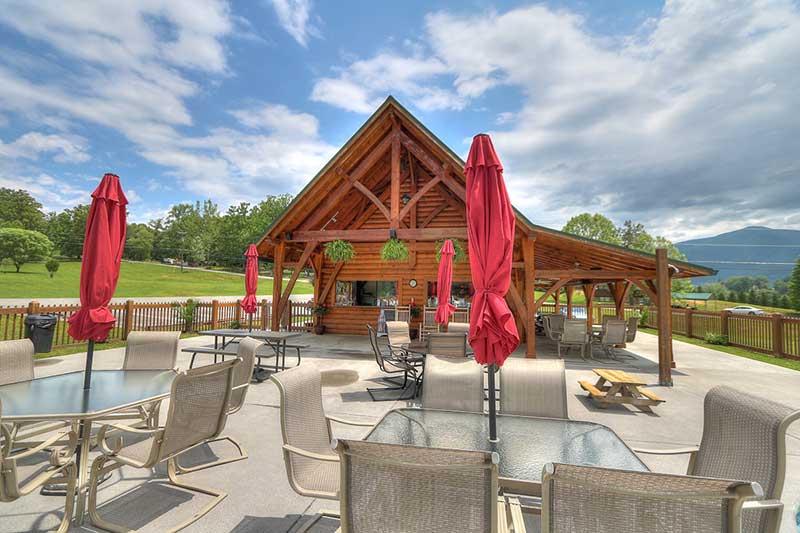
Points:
(295, 17)
(54, 194)
(278, 118)
(132, 196)
(66, 149)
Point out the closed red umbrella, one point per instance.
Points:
(444, 282)
(490, 229)
(103, 244)
(249, 303)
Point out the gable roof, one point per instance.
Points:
(282, 223)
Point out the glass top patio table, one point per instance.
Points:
(525, 443)
(62, 396)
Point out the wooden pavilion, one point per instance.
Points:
(395, 177)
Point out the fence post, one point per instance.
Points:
(264, 314)
(689, 315)
(214, 314)
(724, 323)
(33, 307)
(777, 334)
(238, 312)
(128, 319)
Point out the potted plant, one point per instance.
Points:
(339, 251)
(458, 246)
(319, 311)
(394, 250)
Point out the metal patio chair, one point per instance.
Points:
(453, 383)
(533, 387)
(396, 362)
(452, 344)
(632, 328)
(574, 335)
(744, 437)
(242, 376)
(613, 333)
(601, 500)
(19, 477)
(198, 408)
(553, 326)
(429, 324)
(399, 335)
(399, 489)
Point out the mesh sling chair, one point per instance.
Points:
(242, 376)
(553, 326)
(198, 407)
(744, 437)
(533, 387)
(18, 477)
(613, 334)
(632, 327)
(582, 498)
(452, 383)
(399, 336)
(312, 467)
(399, 489)
(397, 362)
(16, 365)
(447, 344)
(574, 334)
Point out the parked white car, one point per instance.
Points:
(745, 310)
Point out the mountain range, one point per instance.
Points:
(750, 251)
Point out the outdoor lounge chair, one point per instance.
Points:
(533, 387)
(601, 500)
(613, 334)
(390, 488)
(242, 376)
(312, 466)
(452, 344)
(16, 365)
(744, 437)
(399, 336)
(575, 334)
(395, 363)
(198, 408)
(20, 477)
(453, 383)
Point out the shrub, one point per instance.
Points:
(186, 314)
(339, 251)
(52, 266)
(394, 250)
(716, 338)
(643, 316)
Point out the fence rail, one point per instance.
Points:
(162, 316)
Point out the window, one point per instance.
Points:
(460, 293)
(366, 293)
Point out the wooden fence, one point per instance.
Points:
(162, 316)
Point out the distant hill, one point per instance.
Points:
(750, 251)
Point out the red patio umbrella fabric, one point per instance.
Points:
(490, 228)
(102, 254)
(250, 303)
(444, 282)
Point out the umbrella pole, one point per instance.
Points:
(87, 373)
(251, 321)
(492, 406)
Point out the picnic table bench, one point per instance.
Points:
(616, 386)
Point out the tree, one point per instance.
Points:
(67, 229)
(747, 283)
(23, 246)
(52, 266)
(18, 209)
(633, 235)
(794, 286)
(593, 226)
(139, 242)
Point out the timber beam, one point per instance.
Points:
(378, 235)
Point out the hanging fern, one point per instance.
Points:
(458, 246)
(340, 251)
(394, 250)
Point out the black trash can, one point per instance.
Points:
(40, 330)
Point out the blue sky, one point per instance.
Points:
(680, 115)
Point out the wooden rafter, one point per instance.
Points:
(309, 249)
(420, 193)
(330, 283)
(378, 235)
(433, 214)
(513, 297)
(550, 292)
(647, 289)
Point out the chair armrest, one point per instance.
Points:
(349, 422)
(102, 439)
(311, 455)
(763, 505)
(71, 435)
(674, 451)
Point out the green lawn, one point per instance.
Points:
(794, 364)
(136, 280)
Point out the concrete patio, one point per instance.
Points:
(260, 499)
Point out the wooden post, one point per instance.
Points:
(689, 314)
(238, 313)
(777, 335)
(395, 183)
(33, 307)
(568, 290)
(556, 302)
(128, 319)
(588, 292)
(277, 283)
(619, 290)
(264, 314)
(723, 319)
(664, 305)
(214, 314)
(528, 255)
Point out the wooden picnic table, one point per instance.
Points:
(616, 386)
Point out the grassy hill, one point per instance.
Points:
(136, 280)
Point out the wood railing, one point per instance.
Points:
(161, 316)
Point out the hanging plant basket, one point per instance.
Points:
(394, 250)
(458, 246)
(340, 251)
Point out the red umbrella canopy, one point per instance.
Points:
(444, 281)
(249, 304)
(490, 228)
(102, 254)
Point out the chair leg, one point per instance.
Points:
(99, 469)
(242, 455)
(218, 496)
(70, 473)
(316, 518)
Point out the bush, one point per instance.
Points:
(52, 266)
(339, 251)
(394, 250)
(716, 339)
(186, 314)
(645, 314)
